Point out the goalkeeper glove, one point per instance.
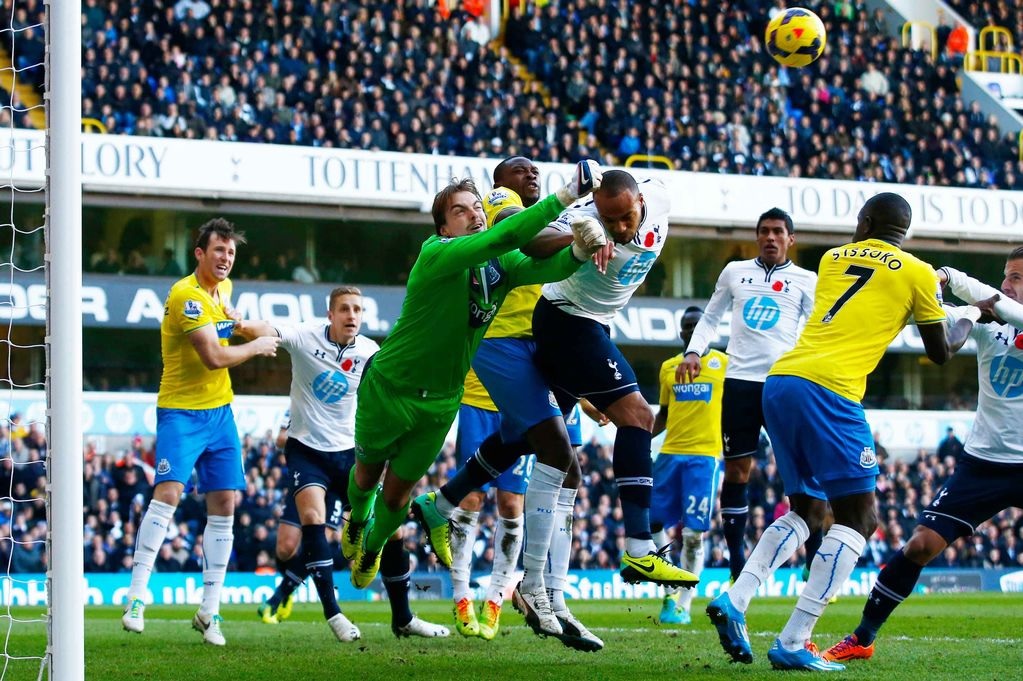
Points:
(584, 181)
(588, 237)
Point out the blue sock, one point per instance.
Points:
(634, 474)
(395, 572)
(491, 459)
(320, 563)
(293, 573)
(894, 585)
(734, 513)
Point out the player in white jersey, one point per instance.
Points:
(328, 361)
(575, 353)
(988, 477)
(770, 298)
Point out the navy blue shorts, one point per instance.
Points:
(742, 417)
(822, 441)
(976, 491)
(312, 467)
(578, 358)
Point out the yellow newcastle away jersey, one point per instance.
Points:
(866, 293)
(475, 394)
(186, 382)
(515, 318)
(694, 409)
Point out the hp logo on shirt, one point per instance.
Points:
(1007, 377)
(330, 386)
(761, 313)
(636, 268)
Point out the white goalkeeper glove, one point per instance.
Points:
(588, 237)
(585, 179)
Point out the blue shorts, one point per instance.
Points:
(977, 491)
(574, 426)
(685, 487)
(474, 426)
(506, 369)
(822, 442)
(202, 439)
(312, 467)
(578, 359)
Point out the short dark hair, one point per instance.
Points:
(692, 308)
(342, 291)
(443, 199)
(614, 182)
(777, 214)
(223, 228)
(1016, 253)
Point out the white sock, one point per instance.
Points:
(152, 531)
(660, 537)
(692, 560)
(463, 537)
(780, 541)
(540, 504)
(443, 506)
(507, 547)
(560, 554)
(637, 548)
(833, 564)
(217, 541)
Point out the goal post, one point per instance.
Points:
(63, 229)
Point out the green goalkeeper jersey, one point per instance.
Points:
(455, 290)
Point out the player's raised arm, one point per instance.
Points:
(216, 356)
(588, 237)
(973, 291)
(459, 249)
(250, 329)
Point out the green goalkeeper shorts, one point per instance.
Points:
(401, 426)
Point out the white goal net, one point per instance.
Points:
(41, 633)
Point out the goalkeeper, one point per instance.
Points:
(411, 390)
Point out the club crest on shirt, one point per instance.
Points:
(193, 308)
(867, 457)
(714, 363)
(163, 468)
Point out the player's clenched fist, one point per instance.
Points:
(585, 179)
(588, 236)
(266, 346)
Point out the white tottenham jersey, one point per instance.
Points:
(588, 293)
(324, 379)
(769, 308)
(997, 433)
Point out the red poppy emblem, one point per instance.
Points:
(777, 286)
(346, 365)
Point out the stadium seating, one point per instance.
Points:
(117, 489)
(688, 81)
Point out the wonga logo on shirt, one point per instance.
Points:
(692, 392)
(761, 313)
(1007, 377)
(330, 386)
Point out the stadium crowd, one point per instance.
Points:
(686, 80)
(117, 488)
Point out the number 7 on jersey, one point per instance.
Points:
(863, 275)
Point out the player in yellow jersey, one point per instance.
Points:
(687, 468)
(195, 427)
(867, 291)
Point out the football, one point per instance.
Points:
(795, 37)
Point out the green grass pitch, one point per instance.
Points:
(963, 636)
